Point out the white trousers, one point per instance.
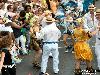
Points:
(47, 48)
(22, 40)
(97, 51)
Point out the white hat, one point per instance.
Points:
(50, 20)
(98, 11)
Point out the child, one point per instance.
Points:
(81, 48)
(6, 65)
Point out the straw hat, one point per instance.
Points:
(98, 11)
(69, 19)
(79, 21)
(50, 20)
(47, 12)
(91, 6)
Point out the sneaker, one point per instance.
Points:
(41, 73)
(73, 52)
(69, 49)
(56, 73)
(66, 51)
(24, 52)
(18, 60)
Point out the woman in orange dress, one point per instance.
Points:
(81, 47)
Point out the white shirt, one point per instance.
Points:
(2, 13)
(49, 33)
(11, 14)
(43, 22)
(3, 28)
(89, 24)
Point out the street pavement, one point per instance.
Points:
(66, 65)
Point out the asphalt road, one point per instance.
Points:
(66, 65)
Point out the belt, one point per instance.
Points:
(50, 42)
(9, 66)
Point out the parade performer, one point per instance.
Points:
(81, 47)
(50, 35)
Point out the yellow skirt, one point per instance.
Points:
(83, 51)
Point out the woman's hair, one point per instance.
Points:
(26, 7)
(9, 7)
(22, 13)
(6, 39)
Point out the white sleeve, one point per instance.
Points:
(8, 29)
(59, 33)
(40, 35)
(85, 23)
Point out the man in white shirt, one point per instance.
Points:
(90, 19)
(50, 35)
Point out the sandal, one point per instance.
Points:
(36, 65)
(78, 72)
(90, 70)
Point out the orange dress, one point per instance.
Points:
(81, 47)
